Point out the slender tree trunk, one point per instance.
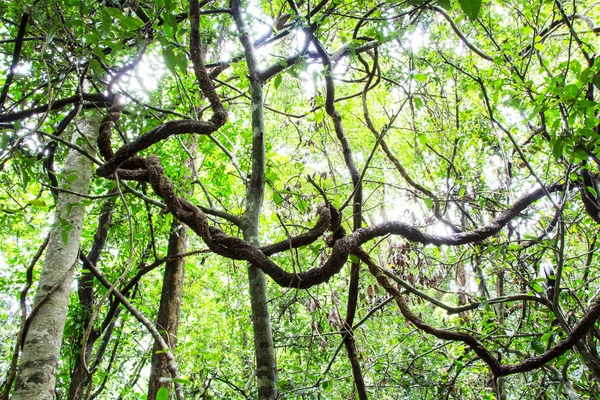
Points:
(170, 306)
(266, 365)
(85, 291)
(170, 300)
(501, 309)
(36, 377)
(482, 290)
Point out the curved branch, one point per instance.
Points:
(462, 37)
(456, 310)
(236, 248)
(171, 364)
(104, 134)
(204, 82)
(97, 99)
(154, 136)
(16, 55)
(303, 239)
(499, 370)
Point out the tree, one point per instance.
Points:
(170, 298)
(437, 155)
(42, 334)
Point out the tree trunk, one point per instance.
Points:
(85, 291)
(170, 306)
(167, 321)
(266, 364)
(41, 349)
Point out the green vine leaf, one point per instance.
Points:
(471, 8)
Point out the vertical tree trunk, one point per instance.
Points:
(499, 382)
(39, 361)
(170, 306)
(85, 291)
(170, 300)
(266, 365)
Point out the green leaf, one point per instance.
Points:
(162, 394)
(444, 4)
(596, 80)
(537, 345)
(71, 178)
(301, 64)
(183, 381)
(37, 202)
(561, 361)
(171, 21)
(471, 8)
(132, 23)
(272, 176)
(557, 149)
(182, 62)
(418, 102)
(302, 205)
(420, 77)
(546, 336)
(277, 80)
(168, 30)
(277, 199)
(114, 12)
(170, 59)
(95, 65)
(580, 154)
(428, 203)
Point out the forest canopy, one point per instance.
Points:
(299, 199)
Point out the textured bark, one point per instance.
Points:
(170, 306)
(167, 321)
(39, 362)
(97, 100)
(336, 117)
(85, 291)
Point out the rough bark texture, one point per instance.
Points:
(39, 361)
(353, 288)
(167, 321)
(170, 306)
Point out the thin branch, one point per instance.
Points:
(462, 37)
(499, 370)
(12, 371)
(171, 364)
(15, 60)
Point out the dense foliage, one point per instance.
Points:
(422, 177)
